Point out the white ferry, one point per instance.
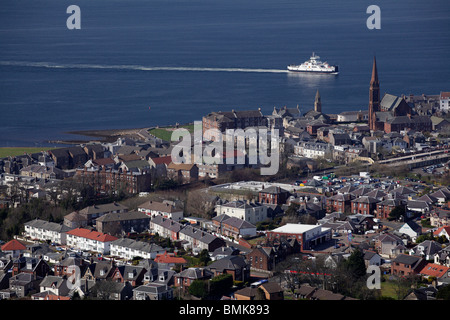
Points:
(314, 65)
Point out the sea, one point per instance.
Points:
(144, 63)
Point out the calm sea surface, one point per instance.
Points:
(139, 63)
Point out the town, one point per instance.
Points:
(117, 219)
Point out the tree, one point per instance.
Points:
(221, 284)
(396, 213)
(199, 288)
(443, 293)
(204, 257)
(355, 265)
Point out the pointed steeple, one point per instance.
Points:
(374, 78)
(374, 97)
(317, 102)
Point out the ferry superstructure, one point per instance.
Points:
(314, 65)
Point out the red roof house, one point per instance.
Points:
(14, 247)
(443, 231)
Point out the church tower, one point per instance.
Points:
(374, 97)
(317, 103)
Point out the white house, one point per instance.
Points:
(252, 212)
(46, 231)
(411, 229)
(54, 285)
(167, 209)
(128, 249)
(444, 101)
(313, 150)
(88, 240)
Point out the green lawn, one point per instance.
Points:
(17, 151)
(388, 289)
(166, 133)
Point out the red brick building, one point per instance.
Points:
(339, 203)
(273, 195)
(407, 265)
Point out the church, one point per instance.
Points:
(392, 113)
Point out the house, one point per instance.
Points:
(91, 213)
(252, 212)
(153, 291)
(247, 293)
(198, 239)
(385, 207)
(273, 195)
(418, 206)
(54, 285)
(389, 245)
(158, 166)
(272, 291)
(23, 284)
(234, 265)
(262, 259)
(129, 273)
(123, 223)
(13, 248)
(99, 271)
(371, 258)
(166, 228)
(443, 257)
(46, 231)
(443, 231)
(406, 265)
(233, 227)
(184, 172)
(305, 291)
(434, 270)
(110, 290)
(440, 218)
(364, 205)
(85, 239)
(128, 249)
(185, 278)
(223, 252)
(411, 229)
(426, 249)
(36, 267)
(442, 195)
(167, 209)
(168, 260)
(339, 203)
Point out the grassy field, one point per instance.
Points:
(17, 151)
(166, 133)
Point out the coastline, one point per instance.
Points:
(104, 135)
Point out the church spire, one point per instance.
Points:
(374, 78)
(317, 102)
(374, 97)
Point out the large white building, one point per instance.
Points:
(306, 234)
(128, 249)
(46, 231)
(89, 240)
(313, 150)
(444, 101)
(252, 212)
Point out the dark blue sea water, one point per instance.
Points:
(184, 59)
